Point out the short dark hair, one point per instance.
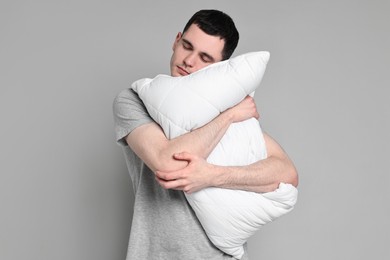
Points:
(217, 23)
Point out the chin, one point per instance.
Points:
(175, 74)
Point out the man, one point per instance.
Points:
(164, 226)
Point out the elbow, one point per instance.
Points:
(291, 173)
(290, 177)
(288, 172)
(165, 162)
(161, 163)
(293, 178)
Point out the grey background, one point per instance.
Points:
(64, 188)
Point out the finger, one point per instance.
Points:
(175, 184)
(184, 156)
(169, 176)
(250, 98)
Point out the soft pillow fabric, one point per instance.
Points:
(182, 104)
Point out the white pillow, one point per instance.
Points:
(202, 95)
(182, 104)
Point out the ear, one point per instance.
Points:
(178, 37)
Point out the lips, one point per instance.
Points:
(182, 71)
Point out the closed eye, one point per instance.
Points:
(187, 45)
(206, 58)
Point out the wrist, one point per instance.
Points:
(228, 115)
(218, 179)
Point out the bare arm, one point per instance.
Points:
(150, 144)
(261, 176)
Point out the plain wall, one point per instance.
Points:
(64, 188)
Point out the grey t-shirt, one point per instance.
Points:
(164, 225)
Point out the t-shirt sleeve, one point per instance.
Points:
(129, 113)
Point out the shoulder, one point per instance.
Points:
(129, 113)
(127, 101)
(127, 96)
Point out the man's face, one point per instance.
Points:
(194, 50)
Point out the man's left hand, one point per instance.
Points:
(194, 177)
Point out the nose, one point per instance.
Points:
(189, 60)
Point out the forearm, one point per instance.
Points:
(261, 176)
(152, 146)
(201, 141)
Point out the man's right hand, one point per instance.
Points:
(244, 110)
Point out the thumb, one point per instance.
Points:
(185, 156)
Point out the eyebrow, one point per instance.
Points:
(208, 56)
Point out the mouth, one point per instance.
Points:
(182, 71)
